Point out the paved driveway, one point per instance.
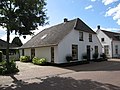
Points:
(94, 76)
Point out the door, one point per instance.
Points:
(88, 52)
(32, 53)
(52, 54)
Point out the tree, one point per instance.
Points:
(21, 16)
(17, 41)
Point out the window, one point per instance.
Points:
(116, 49)
(96, 49)
(102, 39)
(106, 49)
(90, 37)
(32, 53)
(75, 52)
(22, 52)
(52, 54)
(80, 36)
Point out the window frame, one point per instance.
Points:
(106, 49)
(75, 52)
(102, 39)
(80, 36)
(90, 37)
(116, 49)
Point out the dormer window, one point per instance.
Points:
(80, 36)
(102, 39)
(90, 37)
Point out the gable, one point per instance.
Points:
(80, 25)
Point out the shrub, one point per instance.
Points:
(25, 58)
(8, 68)
(103, 55)
(38, 61)
(69, 58)
(84, 56)
(95, 55)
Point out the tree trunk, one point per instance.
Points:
(7, 50)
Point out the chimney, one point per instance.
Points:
(65, 20)
(98, 26)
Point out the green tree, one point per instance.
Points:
(17, 41)
(21, 16)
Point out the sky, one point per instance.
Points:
(105, 13)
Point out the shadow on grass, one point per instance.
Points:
(97, 66)
(58, 83)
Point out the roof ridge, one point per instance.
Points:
(110, 31)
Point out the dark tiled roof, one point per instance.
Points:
(3, 44)
(54, 34)
(112, 35)
(80, 25)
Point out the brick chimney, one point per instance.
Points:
(98, 27)
(65, 20)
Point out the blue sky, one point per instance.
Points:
(105, 13)
(92, 12)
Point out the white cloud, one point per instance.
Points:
(107, 2)
(115, 13)
(118, 21)
(88, 7)
(93, 0)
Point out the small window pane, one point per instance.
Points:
(90, 37)
(80, 36)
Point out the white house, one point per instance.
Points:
(110, 42)
(72, 37)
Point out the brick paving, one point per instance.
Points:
(98, 75)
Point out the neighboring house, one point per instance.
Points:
(110, 42)
(72, 37)
(13, 50)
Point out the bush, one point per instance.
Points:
(38, 61)
(25, 58)
(103, 56)
(69, 58)
(95, 55)
(6, 68)
(84, 56)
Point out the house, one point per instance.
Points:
(110, 42)
(72, 37)
(13, 50)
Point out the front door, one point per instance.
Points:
(88, 52)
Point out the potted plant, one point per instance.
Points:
(103, 56)
(84, 56)
(95, 56)
(69, 58)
